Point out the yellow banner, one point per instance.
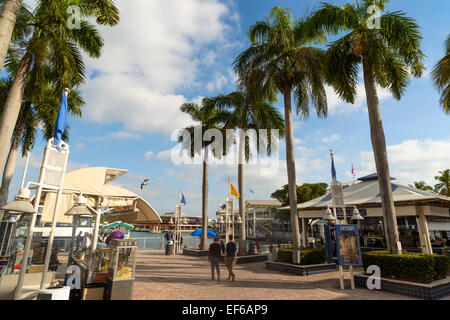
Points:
(233, 191)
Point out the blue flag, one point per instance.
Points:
(60, 122)
(183, 199)
(333, 169)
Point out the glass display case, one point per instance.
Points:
(121, 269)
(122, 261)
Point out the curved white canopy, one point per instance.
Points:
(95, 184)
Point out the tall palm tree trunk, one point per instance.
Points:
(9, 171)
(290, 163)
(8, 174)
(381, 159)
(204, 236)
(241, 180)
(8, 16)
(12, 106)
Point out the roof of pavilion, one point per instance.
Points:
(366, 193)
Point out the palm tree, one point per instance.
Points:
(421, 185)
(43, 39)
(441, 77)
(38, 110)
(279, 61)
(443, 187)
(8, 16)
(389, 56)
(249, 116)
(209, 117)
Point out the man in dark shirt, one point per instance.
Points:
(230, 257)
(215, 252)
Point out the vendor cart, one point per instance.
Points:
(121, 269)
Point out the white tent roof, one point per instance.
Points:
(367, 193)
(94, 182)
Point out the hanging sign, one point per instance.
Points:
(348, 246)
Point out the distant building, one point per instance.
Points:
(259, 216)
(188, 223)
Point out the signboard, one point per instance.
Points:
(328, 243)
(348, 246)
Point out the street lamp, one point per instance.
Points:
(328, 214)
(238, 220)
(79, 209)
(356, 215)
(21, 203)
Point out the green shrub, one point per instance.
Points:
(424, 268)
(307, 256)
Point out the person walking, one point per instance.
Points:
(222, 245)
(230, 257)
(214, 257)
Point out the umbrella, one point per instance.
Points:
(198, 233)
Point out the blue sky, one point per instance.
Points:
(171, 52)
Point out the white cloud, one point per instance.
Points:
(153, 54)
(413, 160)
(218, 83)
(149, 155)
(123, 135)
(164, 155)
(333, 138)
(337, 105)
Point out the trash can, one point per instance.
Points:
(54, 293)
(170, 248)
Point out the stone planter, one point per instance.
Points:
(432, 291)
(299, 269)
(195, 252)
(249, 258)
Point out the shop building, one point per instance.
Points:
(423, 217)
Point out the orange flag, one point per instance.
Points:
(233, 191)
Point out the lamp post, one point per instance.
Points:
(79, 209)
(22, 205)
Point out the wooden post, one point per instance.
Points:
(352, 279)
(341, 277)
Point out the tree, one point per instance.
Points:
(249, 115)
(441, 77)
(8, 16)
(210, 118)
(40, 108)
(305, 192)
(389, 55)
(43, 38)
(443, 187)
(279, 61)
(422, 185)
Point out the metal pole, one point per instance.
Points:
(25, 170)
(51, 236)
(18, 292)
(74, 231)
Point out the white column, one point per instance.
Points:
(425, 241)
(37, 199)
(51, 236)
(229, 213)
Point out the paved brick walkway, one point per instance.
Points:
(161, 277)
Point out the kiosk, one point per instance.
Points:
(121, 269)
